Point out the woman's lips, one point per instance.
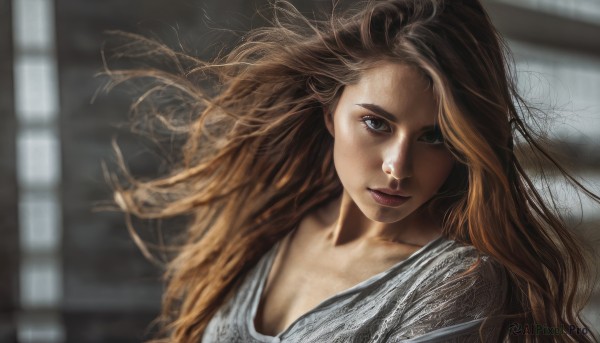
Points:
(386, 199)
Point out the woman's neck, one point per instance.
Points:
(347, 224)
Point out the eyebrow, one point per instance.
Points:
(387, 115)
(380, 111)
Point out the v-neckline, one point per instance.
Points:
(265, 270)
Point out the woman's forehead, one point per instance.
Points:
(392, 79)
(396, 89)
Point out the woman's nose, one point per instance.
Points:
(397, 160)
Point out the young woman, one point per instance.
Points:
(357, 180)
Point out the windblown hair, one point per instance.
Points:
(258, 157)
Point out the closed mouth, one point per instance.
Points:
(388, 200)
(390, 192)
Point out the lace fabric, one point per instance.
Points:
(425, 298)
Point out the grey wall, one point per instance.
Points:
(110, 293)
(9, 243)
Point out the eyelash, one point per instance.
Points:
(366, 119)
(439, 139)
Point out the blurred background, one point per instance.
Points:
(69, 274)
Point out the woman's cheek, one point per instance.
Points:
(445, 162)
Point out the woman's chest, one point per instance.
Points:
(293, 290)
(303, 276)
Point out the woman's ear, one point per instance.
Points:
(328, 116)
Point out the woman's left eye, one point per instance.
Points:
(376, 124)
(433, 137)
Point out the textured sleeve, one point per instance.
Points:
(448, 306)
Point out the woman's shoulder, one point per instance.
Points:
(454, 267)
(449, 258)
(454, 284)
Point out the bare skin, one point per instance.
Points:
(318, 260)
(384, 141)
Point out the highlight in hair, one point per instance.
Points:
(258, 157)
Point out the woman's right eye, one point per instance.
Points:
(376, 124)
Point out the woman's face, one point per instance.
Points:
(388, 153)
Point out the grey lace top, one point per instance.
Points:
(421, 299)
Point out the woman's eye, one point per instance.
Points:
(376, 124)
(433, 137)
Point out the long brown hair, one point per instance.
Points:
(258, 157)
